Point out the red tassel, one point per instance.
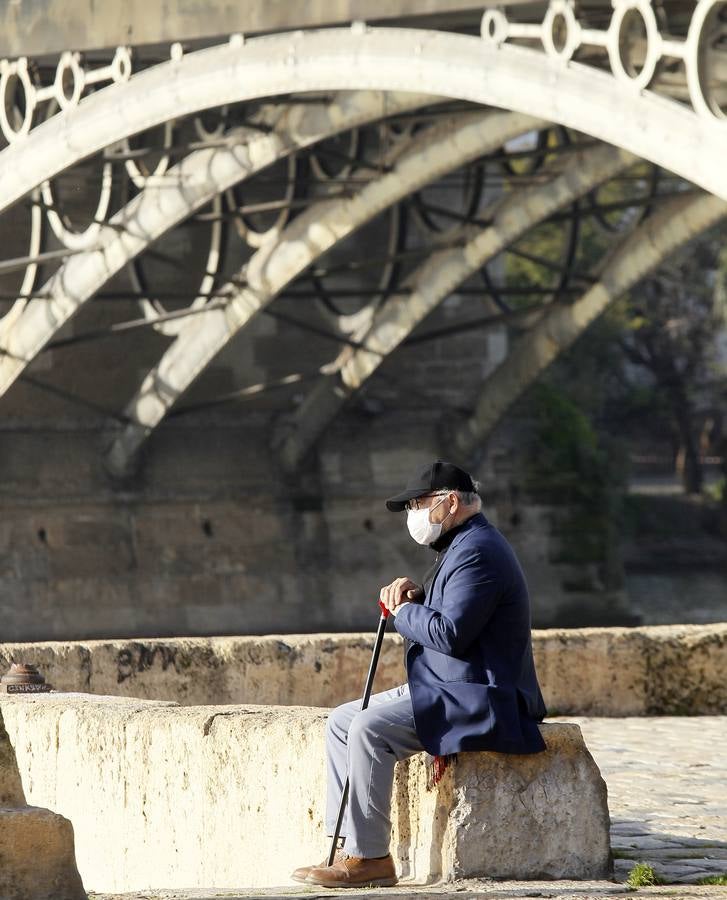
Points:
(439, 767)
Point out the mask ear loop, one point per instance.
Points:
(437, 504)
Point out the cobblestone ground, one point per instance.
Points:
(667, 789)
(667, 792)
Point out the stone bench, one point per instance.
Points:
(37, 860)
(164, 796)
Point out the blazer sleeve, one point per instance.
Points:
(469, 598)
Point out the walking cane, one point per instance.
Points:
(364, 704)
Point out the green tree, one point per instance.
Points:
(670, 325)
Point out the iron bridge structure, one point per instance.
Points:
(370, 188)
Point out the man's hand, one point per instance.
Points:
(402, 590)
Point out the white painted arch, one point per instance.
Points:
(441, 148)
(190, 185)
(388, 59)
(433, 281)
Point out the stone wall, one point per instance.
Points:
(664, 670)
(202, 797)
(210, 540)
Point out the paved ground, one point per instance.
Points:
(667, 784)
(667, 789)
(466, 890)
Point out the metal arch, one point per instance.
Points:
(676, 222)
(467, 67)
(440, 149)
(192, 184)
(433, 281)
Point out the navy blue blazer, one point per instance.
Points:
(470, 665)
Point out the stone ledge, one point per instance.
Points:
(230, 796)
(661, 670)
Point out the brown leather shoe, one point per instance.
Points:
(355, 871)
(301, 873)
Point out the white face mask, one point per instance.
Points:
(420, 528)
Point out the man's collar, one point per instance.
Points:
(444, 542)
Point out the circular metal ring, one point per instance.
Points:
(624, 14)
(706, 16)
(600, 216)
(153, 308)
(14, 74)
(61, 227)
(134, 172)
(79, 240)
(346, 322)
(121, 65)
(319, 168)
(494, 27)
(572, 237)
(560, 31)
(31, 270)
(204, 134)
(541, 151)
(472, 191)
(245, 230)
(69, 63)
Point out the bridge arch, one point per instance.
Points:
(664, 131)
(441, 148)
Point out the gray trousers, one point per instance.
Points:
(366, 745)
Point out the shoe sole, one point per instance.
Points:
(372, 882)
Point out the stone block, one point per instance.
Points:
(233, 796)
(688, 670)
(593, 671)
(539, 816)
(36, 856)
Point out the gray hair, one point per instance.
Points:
(471, 498)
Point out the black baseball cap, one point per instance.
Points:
(436, 476)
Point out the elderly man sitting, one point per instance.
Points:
(471, 682)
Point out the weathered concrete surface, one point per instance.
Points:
(668, 808)
(470, 889)
(37, 859)
(211, 796)
(658, 670)
(671, 669)
(36, 856)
